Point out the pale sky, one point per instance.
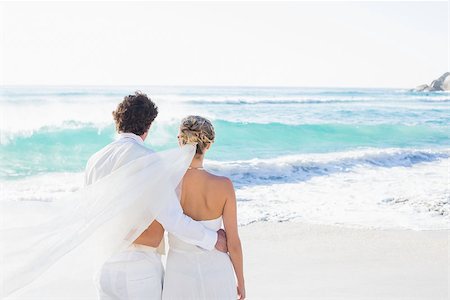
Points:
(324, 44)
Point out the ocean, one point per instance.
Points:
(372, 158)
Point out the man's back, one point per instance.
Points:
(115, 155)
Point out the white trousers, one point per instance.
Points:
(134, 274)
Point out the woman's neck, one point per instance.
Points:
(197, 162)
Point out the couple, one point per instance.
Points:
(198, 265)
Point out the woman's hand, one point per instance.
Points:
(241, 291)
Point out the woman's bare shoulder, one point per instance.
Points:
(221, 183)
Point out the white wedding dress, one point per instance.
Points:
(195, 273)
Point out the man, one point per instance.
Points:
(137, 272)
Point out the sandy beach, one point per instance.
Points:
(304, 261)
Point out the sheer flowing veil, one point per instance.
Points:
(56, 258)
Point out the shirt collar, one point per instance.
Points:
(130, 135)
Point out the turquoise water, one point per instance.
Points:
(250, 122)
(57, 150)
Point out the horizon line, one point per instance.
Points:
(198, 86)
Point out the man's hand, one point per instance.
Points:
(221, 243)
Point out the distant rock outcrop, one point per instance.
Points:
(440, 84)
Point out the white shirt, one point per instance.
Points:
(129, 147)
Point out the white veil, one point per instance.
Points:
(57, 259)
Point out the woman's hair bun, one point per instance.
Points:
(196, 129)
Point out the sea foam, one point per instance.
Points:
(390, 188)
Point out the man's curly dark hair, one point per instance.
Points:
(135, 114)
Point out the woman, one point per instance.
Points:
(193, 273)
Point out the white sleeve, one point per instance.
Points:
(176, 222)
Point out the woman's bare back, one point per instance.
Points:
(203, 195)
